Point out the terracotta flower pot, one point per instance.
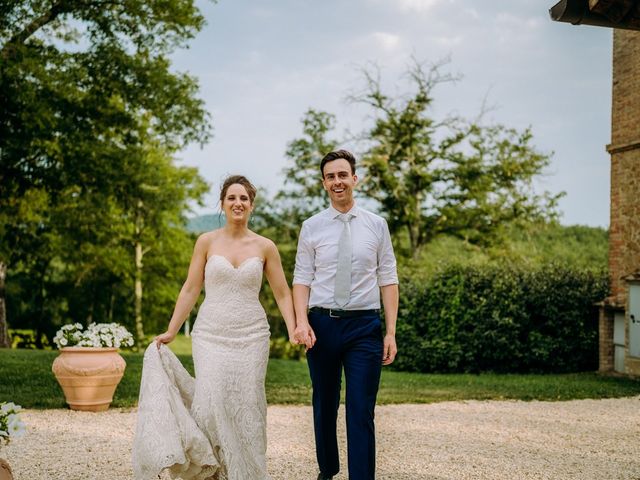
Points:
(5, 470)
(89, 376)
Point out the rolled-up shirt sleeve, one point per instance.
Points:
(305, 257)
(387, 269)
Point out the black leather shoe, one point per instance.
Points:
(324, 477)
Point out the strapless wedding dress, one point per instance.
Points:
(213, 427)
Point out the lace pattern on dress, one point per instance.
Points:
(213, 427)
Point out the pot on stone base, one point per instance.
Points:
(5, 470)
(89, 376)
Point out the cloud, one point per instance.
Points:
(472, 12)
(512, 30)
(386, 41)
(449, 41)
(419, 5)
(261, 12)
(518, 22)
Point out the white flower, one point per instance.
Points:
(17, 429)
(95, 335)
(10, 423)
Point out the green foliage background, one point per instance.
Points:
(570, 261)
(93, 204)
(501, 318)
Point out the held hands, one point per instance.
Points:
(303, 335)
(389, 349)
(166, 337)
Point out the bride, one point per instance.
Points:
(214, 427)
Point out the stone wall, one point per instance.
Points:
(624, 242)
(624, 235)
(605, 350)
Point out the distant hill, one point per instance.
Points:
(205, 223)
(578, 245)
(575, 244)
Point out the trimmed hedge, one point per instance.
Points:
(500, 319)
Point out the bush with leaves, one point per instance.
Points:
(502, 318)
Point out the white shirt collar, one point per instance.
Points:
(334, 213)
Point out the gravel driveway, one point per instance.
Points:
(582, 439)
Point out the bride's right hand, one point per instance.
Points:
(166, 337)
(304, 335)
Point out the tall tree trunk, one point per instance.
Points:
(414, 230)
(4, 329)
(40, 299)
(138, 278)
(112, 299)
(89, 319)
(413, 241)
(20, 38)
(138, 295)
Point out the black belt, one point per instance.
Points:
(338, 313)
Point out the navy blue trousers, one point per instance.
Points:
(355, 344)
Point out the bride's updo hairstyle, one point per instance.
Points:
(240, 180)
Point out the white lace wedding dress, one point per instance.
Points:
(213, 427)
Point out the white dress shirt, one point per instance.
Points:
(373, 261)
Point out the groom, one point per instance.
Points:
(344, 264)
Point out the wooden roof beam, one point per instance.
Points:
(602, 13)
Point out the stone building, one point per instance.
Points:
(620, 313)
(619, 325)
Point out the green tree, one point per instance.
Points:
(81, 84)
(303, 194)
(155, 195)
(101, 251)
(447, 176)
(32, 244)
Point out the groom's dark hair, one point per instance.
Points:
(344, 154)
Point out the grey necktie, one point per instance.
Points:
(342, 289)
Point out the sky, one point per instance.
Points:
(261, 64)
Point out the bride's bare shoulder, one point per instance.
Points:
(266, 244)
(205, 239)
(260, 239)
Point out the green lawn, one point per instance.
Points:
(26, 378)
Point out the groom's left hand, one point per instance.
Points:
(304, 335)
(389, 349)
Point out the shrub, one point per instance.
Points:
(24, 338)
(281, 347)
(500, 318)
